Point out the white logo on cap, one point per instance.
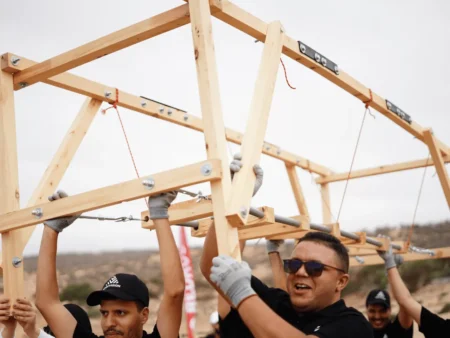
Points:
(112, 283)
(385, 336)
(380, 295)
(317, 329)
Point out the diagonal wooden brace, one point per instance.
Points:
(244, 180)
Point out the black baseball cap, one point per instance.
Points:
(380, 297)
(121, 286)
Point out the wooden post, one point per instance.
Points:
(244, 180)
(326, 206)
(9, 190)
(61, 160)
(297, 189)
(438, 163)
(214, 129)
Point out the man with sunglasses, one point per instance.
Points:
(312, 305)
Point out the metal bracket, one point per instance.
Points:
(397, 111)
(319, 58)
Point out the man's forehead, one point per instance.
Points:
(309, 250)
(115, 303)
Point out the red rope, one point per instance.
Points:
(368, 102)
(285, 75)
(114, 105)
(351, 165)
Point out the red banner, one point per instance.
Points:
(190, 297)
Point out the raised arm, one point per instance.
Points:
(57, 316)
(409, 307)
(234, 280)
(279, 276)
(170, 309)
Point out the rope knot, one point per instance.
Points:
(114, 104)
(369, 101)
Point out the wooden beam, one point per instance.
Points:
(326, 204)
(108, 44)
(408, 257)
(384, 169)
(297, 190)
(9, 189)
(438, 163)
(253, 26)
(62, 158)
(183, 212)
(97, 91)
(214, 129)
(244, 180)
(114, 194)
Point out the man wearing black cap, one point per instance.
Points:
(124, 298)
(378, 304)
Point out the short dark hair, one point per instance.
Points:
(330, 242)
(140, 306)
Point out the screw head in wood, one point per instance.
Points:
(161, 109)
(206, 169)
(23, 84)
(186, 117)
(38, 213)
(15, 60)
(107, 94)
(16, 261)
(148, 183)
(243, 211)
(324, 62)
(143, 104)
(169, 112)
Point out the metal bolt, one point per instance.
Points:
(389, 105)
(336, 70)
(161, 109)
(243, 211)
(23, 84)
(267, 147)
(169, 112)
(107, 94)
(302, 48)
(148, 183)
(360, 260)
(16, 261)
(37, 212)
(324, 62)
(143, 104)
(15, 60)
(206, 169)
(186, 117)
(317, 57)
(278, 151)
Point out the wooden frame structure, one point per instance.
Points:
(231, 207)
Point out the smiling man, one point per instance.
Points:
(378, 306)
(311, 306)
(124, 298)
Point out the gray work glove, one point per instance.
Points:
(233, 278)
(59, 224)
(390, 259)
(236, 165)
(158, 205)
(273, 245)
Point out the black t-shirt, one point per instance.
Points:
(335, 321)
(433, 326)
(80, 332)
(393, 330)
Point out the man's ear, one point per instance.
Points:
(144, 315)
(342, 282)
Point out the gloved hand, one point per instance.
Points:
(391, 260)
(273, 245)
(236, 165)
(59, 224)
(158, 205)
(233, 278)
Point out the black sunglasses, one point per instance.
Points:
(313, 268)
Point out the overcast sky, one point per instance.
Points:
(399, 49)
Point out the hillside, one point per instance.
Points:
(429, 279)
